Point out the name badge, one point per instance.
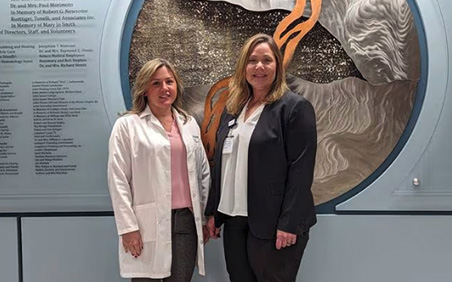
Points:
(228, 145)
(231, 123)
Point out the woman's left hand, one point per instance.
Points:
(285, 239)
(214, 232)
(205, 234)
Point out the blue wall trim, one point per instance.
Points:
(330, 206)
(125, 50)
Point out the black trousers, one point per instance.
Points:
(250, 259)
(184, 248)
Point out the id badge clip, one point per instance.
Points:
(228, 144)
(232, 123)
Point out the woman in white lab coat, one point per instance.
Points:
(158, 176)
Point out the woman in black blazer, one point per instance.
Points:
(263, 172)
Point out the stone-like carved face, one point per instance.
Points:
(359, 67)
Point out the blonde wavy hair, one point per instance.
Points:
(240, 90)
(139, 100)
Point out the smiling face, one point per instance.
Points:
(162, 90)
(261, 69)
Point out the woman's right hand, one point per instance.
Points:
(132, 243)
(214, 232)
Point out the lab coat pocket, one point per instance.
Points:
(146, 217)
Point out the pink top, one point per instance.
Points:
(180, 193)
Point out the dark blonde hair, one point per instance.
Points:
(139, 100)
(240, 90)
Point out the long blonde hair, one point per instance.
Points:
(240, 90)
(139, 100)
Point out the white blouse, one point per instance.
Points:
(234, 165)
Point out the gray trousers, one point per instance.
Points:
(184, 246)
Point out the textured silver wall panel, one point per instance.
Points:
(359, 66)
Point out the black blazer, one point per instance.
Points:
(281, 158)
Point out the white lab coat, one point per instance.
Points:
(139, 179)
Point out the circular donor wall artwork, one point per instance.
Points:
(356, 61)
